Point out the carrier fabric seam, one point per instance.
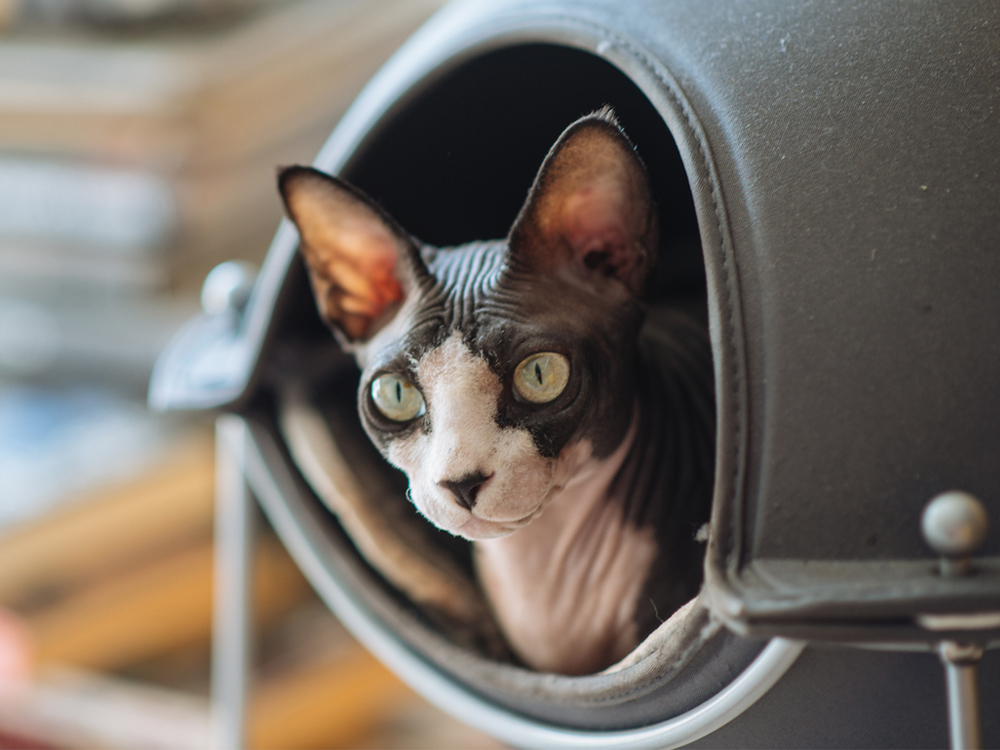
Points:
(704, 633)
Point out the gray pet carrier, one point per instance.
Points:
(828, 178)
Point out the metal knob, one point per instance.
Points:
(227, 287)
(955, 525)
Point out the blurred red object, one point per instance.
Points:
(15, 651)
(16, 668)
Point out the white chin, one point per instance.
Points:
(478, 528)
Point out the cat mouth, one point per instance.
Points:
(475, 527)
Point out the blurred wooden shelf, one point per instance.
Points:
(110, 529)
(121, 581)
(159, 607)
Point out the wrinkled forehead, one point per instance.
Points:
(443, 319)
(455, 295)
(471, 292)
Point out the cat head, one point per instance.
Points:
(491, 372)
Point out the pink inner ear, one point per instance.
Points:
(353, 260)
(369, 281)
(352, 251)
(595, 222)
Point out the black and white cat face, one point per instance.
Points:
(491, 372)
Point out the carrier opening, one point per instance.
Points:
(452, 162)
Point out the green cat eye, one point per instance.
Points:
(397, 398)
(541, 377)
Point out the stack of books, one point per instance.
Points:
(134, 158)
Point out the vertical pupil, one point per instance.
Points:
(538, 372)
(399, 391)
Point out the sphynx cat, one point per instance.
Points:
(509, 381)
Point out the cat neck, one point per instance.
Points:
(585, 489)
(564, 588)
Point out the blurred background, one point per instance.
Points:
(138, 146)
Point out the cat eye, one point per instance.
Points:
(397, 398)
(541, 377)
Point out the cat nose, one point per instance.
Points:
(465, 489)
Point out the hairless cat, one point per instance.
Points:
(516, 385)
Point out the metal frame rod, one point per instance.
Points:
(232, 629)
(965, 720)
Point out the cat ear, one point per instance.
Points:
(361, 264)
(589, 211)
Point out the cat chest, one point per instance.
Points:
(565, 589)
